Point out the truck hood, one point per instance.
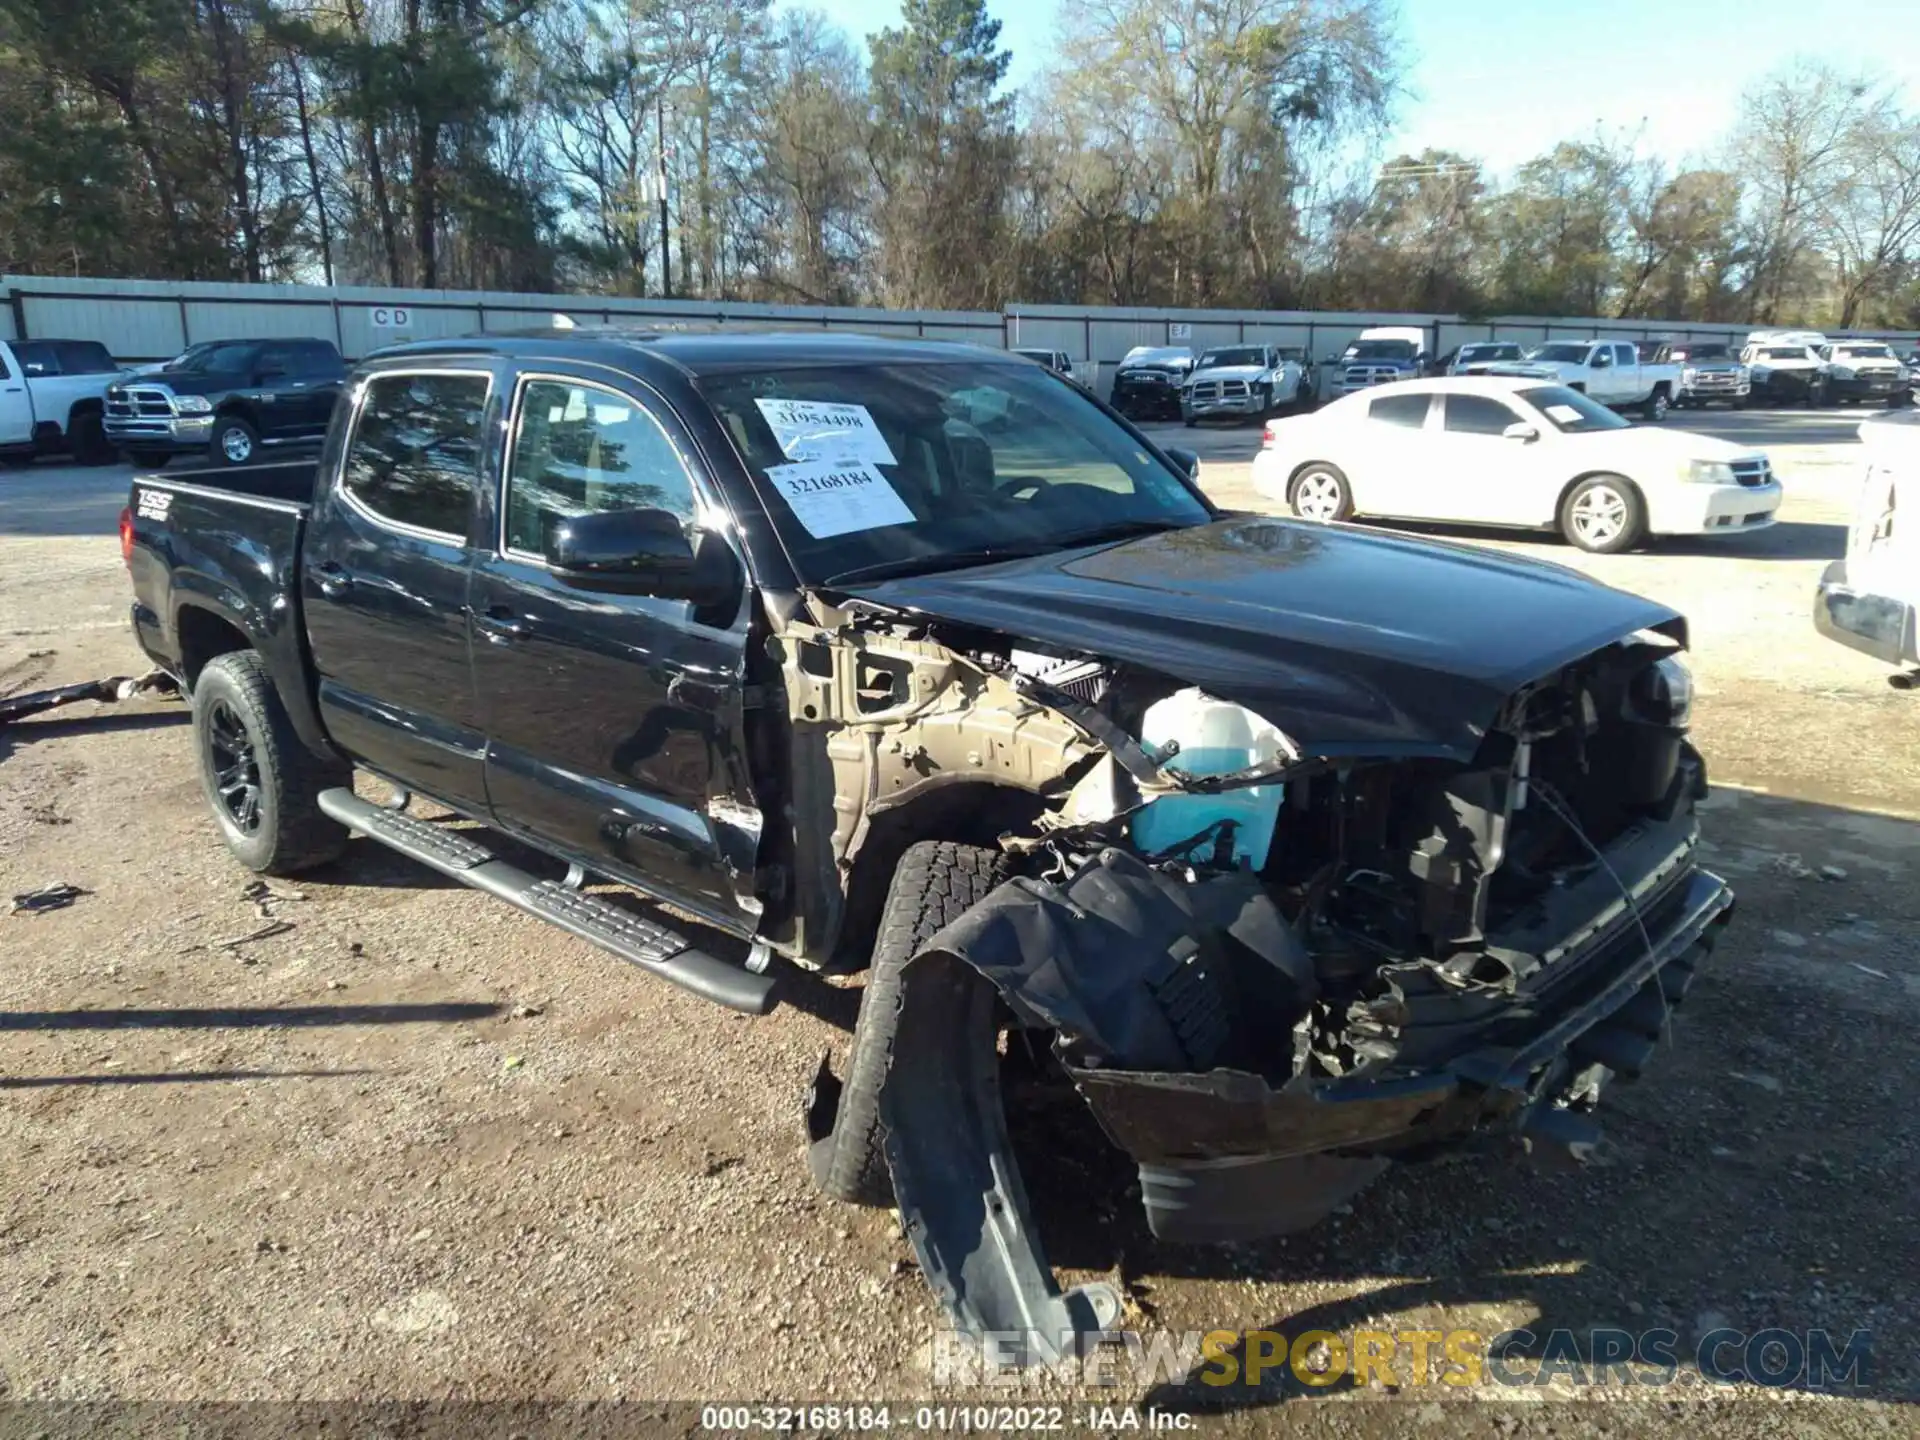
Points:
(1353, 643)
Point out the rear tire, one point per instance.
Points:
(1320, 492)
(1604, 515)
(1654, 408)
(260, 779)
(936, 882)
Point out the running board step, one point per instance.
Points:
(639, 941)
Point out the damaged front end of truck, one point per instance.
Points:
(1470, 906)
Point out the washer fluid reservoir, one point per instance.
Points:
(1213, 737)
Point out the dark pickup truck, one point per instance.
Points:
(1311, 849)
(228, 400)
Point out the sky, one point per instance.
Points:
(1502, 80)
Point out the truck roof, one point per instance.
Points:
(698, 352)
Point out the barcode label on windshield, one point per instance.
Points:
(831, 498)
(826, 430)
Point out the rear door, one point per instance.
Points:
(1386, 466)
(16, 407)
(317, 376)
(385, 577)
(613, 721)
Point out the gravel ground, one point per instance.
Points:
(418, 1146)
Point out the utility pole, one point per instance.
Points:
(666, 266)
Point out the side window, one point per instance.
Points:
(317, 358)
(582, 450)
(1409, 412)
(276, 361)
(1623, 355)
(84, 357)
(415, 454)
(37, 360)
(1477, 415)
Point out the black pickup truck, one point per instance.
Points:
(229, 400)
(1311, 849)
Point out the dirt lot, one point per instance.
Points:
(419, 1146)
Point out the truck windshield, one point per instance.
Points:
(1862, 352)
(1707, 352)
(900, 468)
(1489, 352)
(1570, 412)
(1382, 350)
(1559, 354)
(1786, 352)
(1230, 357)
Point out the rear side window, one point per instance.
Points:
(414, 459)
(317, 357)
(1477, 415)
(84, 357)
(581, 450)
(1409, 412)
(36, 358)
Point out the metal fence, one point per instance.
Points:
(146, 320)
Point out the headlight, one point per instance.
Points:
(1662, 694)
(1708, 472)
(192, 404)
(1842, 372)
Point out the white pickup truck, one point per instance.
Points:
(52, 398)
(1870, 601)
(1609, 371)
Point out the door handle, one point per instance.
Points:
(332, 579)
(501, 626)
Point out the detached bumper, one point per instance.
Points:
(1876, 625)
(1225, 1157)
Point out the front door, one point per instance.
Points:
(613, 721)
(385, 575)
(16, 406)
(1483, 476)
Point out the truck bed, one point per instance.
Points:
(290, 480)
(214, 554)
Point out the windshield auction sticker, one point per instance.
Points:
(826, 430)
(834, 497)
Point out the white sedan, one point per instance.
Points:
(1493, 450)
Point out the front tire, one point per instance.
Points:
(1320, 492)
(1654, 407)
(261, 780)
(235, 442)
(937, 882)
(1603, 515)
(89, 441)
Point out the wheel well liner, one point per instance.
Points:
(203, 636)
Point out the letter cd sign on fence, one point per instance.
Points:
(391, 317)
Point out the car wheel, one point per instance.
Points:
(146, 459)
(936, 882)
(235, 442)
(1320, 492)
(1655, 407)
(262, 781)
(1604, 515)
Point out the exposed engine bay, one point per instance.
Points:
(1268, 971)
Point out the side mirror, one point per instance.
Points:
(642, 552)
(1187, 461)
(1600, 361)
(1521, 431)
